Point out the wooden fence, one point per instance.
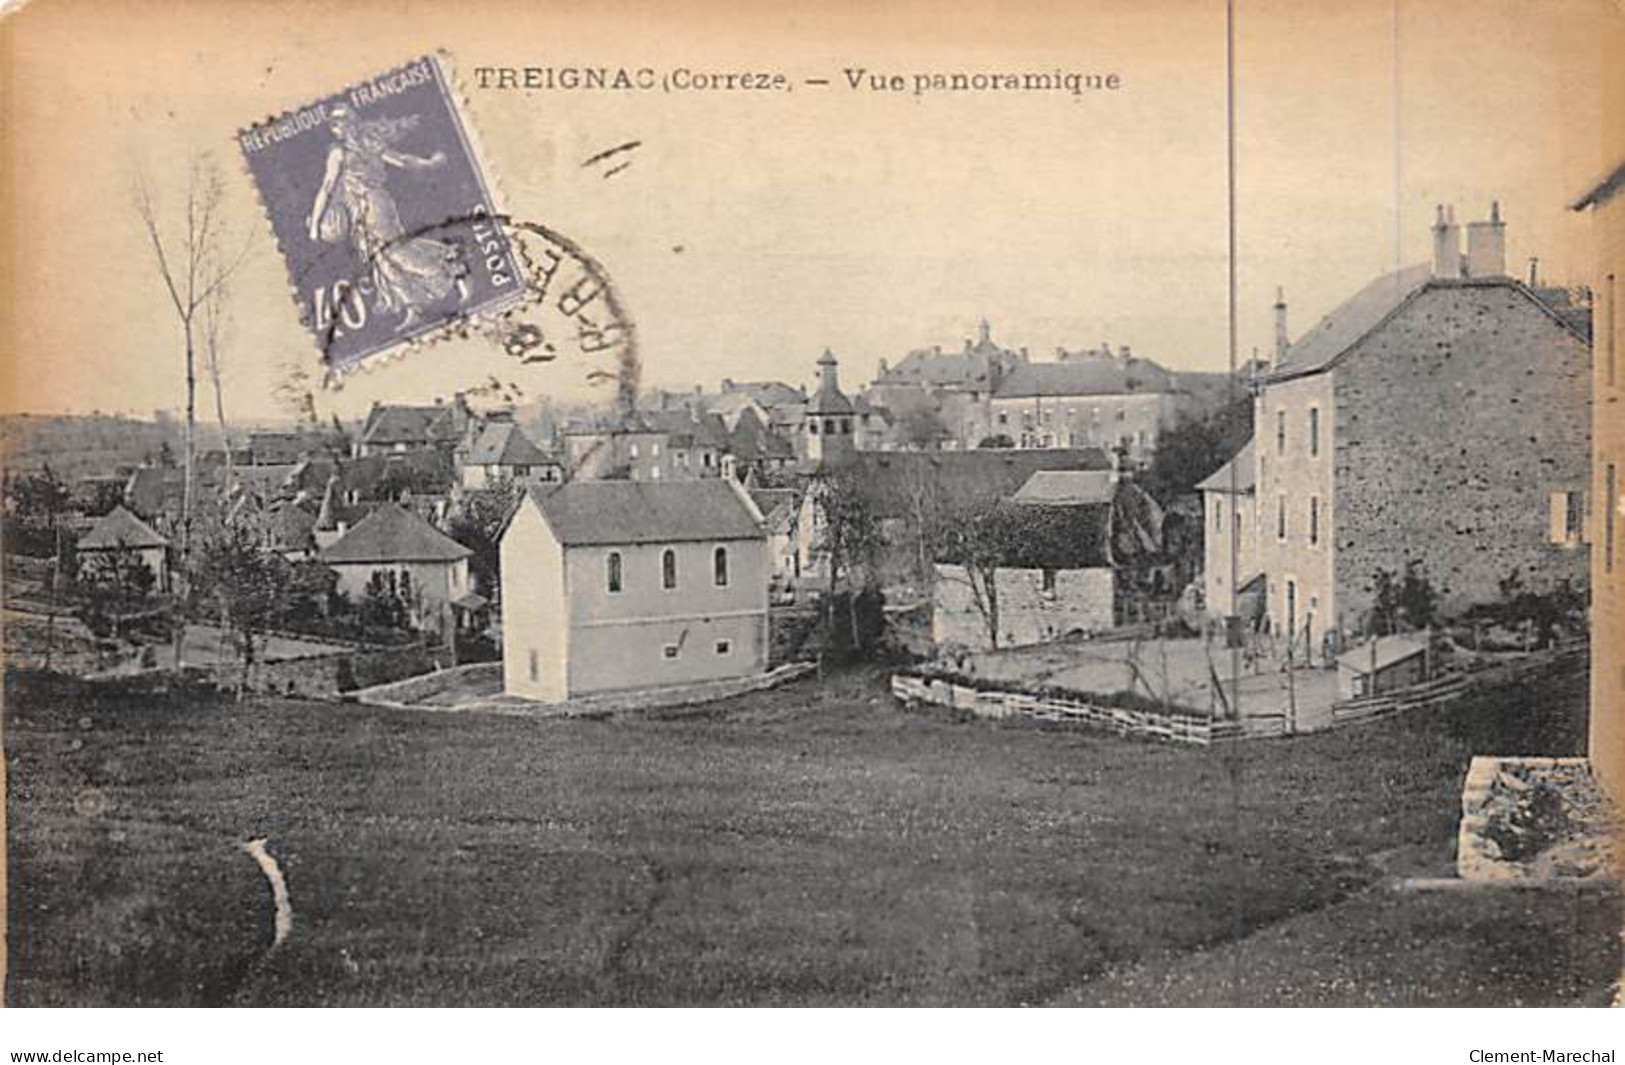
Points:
(998, 704)
(1442, 691)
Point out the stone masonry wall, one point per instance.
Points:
(1455, 421)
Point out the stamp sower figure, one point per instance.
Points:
(408, 273)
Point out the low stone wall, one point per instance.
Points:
(325, 675)
(1442, 691)
(1494, 785)
(997, 704)
(418, 688)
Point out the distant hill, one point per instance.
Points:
(80, 445)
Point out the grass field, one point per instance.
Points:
(811, 845)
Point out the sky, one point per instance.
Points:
(753, 230)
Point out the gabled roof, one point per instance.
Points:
(1338, 333)
(120, 528)
(1351, 321)
(646, 512)
(1085, 376)
(892, 480)
(1245, 465)
(1067, 487)
(399, 424)
(394, 534)
(751, 441)
(777, 505)
(768, 394)
(505, 444)
(1600, 191)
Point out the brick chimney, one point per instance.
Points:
(1446, 243)
(1487, 246)
(1281, 342)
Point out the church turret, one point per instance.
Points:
(826, 432)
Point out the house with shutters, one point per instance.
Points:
(621, 584)
(1440, 418)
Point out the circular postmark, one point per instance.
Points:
(565, 323)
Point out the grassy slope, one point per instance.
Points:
(813, 845)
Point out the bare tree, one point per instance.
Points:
(194, 269)
(214, 323)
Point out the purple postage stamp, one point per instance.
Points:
(384, 217)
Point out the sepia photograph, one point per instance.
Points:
(732, 505)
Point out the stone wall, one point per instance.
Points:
(1455, 421)
(1082, 600)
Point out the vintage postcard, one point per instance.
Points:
(721, 504)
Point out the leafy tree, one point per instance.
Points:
(1402, 602)
(34, 504)
(1197, 447)
(476, 526)
(850, 541)
(246, 582)
(111, 585)
(997, 440)
(922, 428)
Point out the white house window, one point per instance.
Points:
(612, 571)
(724, 647)
(1314, 519)
(633, 450)
(1218, 515)
(1280, 518)
(654, 450)
(812, 426)
(1047, 583)
(668, 569)
(1566, 517)
(1314, 431)
(669, 651)
(719, 565)
(654, 473)
(535, 665)
(1280, 432)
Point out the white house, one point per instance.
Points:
(631, 584)
(394, 541)
(120, 530)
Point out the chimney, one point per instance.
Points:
(884, 369)
(1487, 246)
(1281, 341)
(1446, 243)
(1123, 353)
(1534, 271)
(984, 334)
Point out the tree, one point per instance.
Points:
(113, 584)
(1402, 602)
(1196, 447)
(35, 503)
(922, 428)
(477, 525)
(194, 270)
(997, 440)
(979, 542)
(246, 582)
(849, 541)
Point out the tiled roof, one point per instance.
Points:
(643, 512)
(1049, 537)
(120, 528)
(957, 479)
(394, 534)
(1350, 322)
(396, 424)
(1085, 376)
(1245, 466)
(505, 444)
(1068, 487)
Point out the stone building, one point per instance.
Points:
(826, 437)
(1440, 418)
(957, 385)
(1119, 402)
(1606, 203)
(1230, 540)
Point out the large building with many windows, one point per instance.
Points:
(1438, 419)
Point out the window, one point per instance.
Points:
(719, 566)
(1314, 431)
(1048, 583)
(1314, 519)
(1004, 419)
(724, 647)
(654, 473)
(612, 571)
(535, 665)
(654, 450)
(669, 651)
(634, 451)
(1122, 415)
(1612, 325)
(829, 426)
(1567, 514)
(1218, 514)
(668, 569)
(1611, 487)
(1280, 518)
(846, 428)
(812, 426)
(521, 471)
(1280, 432)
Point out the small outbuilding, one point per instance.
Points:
(1382, 665)
(120, 530)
